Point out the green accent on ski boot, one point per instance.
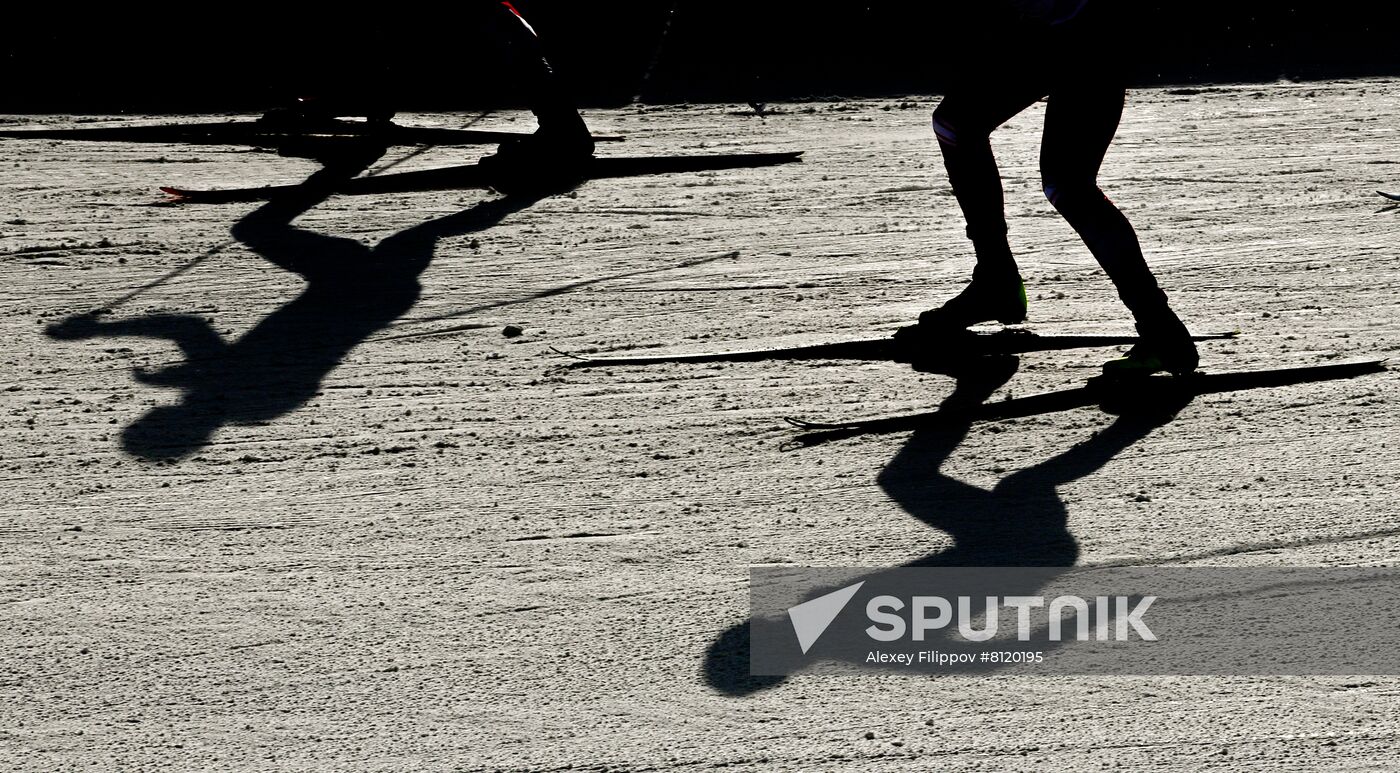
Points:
(1018, 314)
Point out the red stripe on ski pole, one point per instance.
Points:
(518, 15)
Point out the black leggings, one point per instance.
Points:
(1081, 117)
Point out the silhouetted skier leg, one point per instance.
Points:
(561, 144)
(554, 156)
(1080, 121)
(1063, 59)
(963, 124)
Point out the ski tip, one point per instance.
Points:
(1375, 365)
(178, 193)
(570, 355)
(1391, 196)
(1356, 366)
(1217, 335)
(1327, 370)
(814, 426)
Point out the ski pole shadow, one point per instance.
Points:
(1020, 522)
(352, 291)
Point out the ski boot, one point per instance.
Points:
(1163, 345)
(987, 298)
(551, 159)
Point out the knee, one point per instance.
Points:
(944, 130)
(953, 131)
(1063, 191)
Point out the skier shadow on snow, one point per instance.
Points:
(1019, 522)
(352, 291)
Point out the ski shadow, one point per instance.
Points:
(353, 291)
(1020, 522)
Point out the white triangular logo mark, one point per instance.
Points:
(810, 618)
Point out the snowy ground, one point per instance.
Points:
(365, 530)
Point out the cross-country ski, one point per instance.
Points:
(967, 343)
(479, 176)
(261, 134)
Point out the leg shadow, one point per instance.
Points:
(1019, 522)
(352, 291)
